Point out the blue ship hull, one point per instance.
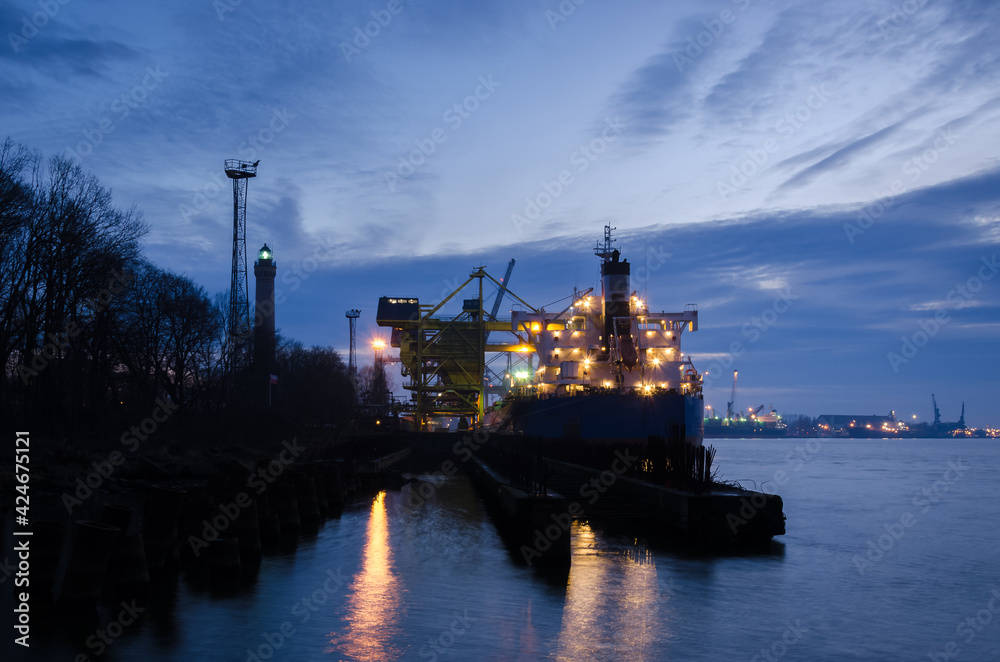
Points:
(603, 417)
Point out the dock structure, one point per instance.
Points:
(722, 517)
(536, 523)
(663, 487)
(446, 357)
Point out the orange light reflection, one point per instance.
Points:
(612, 604)
(373, 608)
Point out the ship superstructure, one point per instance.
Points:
(606, 366)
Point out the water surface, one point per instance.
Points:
(891, 546)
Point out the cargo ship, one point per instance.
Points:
(756, 425)
(607, 368)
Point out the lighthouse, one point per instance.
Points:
(264, 270)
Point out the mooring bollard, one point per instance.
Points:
(88, 562)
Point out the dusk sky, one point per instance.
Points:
(822, 179)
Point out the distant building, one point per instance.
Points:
(850, 425)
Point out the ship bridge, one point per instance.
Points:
(578, 351)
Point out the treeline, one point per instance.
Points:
(94, 337)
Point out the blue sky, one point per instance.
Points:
(839, 155)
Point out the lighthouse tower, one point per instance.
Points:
(264, 270)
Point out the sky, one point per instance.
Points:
(820, 178)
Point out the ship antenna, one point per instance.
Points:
(604, 252)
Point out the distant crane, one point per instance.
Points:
(732, 397)
(947, 427)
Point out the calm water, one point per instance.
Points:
(384, 583)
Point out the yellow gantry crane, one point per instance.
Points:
(445, 357)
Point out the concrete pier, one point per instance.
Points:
(722, 515)
(538, 526)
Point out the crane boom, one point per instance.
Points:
(502, 291)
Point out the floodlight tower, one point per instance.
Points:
(352, 357)
(238, 355)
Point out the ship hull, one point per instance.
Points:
(603, 417)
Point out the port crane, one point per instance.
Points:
(732, 397)
(947, 427)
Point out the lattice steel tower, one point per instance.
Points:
(352, 357)
(237, 350)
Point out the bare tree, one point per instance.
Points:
(69, 244)
(167, 336)
(313, 387)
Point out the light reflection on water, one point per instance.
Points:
(612, 604)
(412, 568)
(374, 606)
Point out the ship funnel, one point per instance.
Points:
(615, 276)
